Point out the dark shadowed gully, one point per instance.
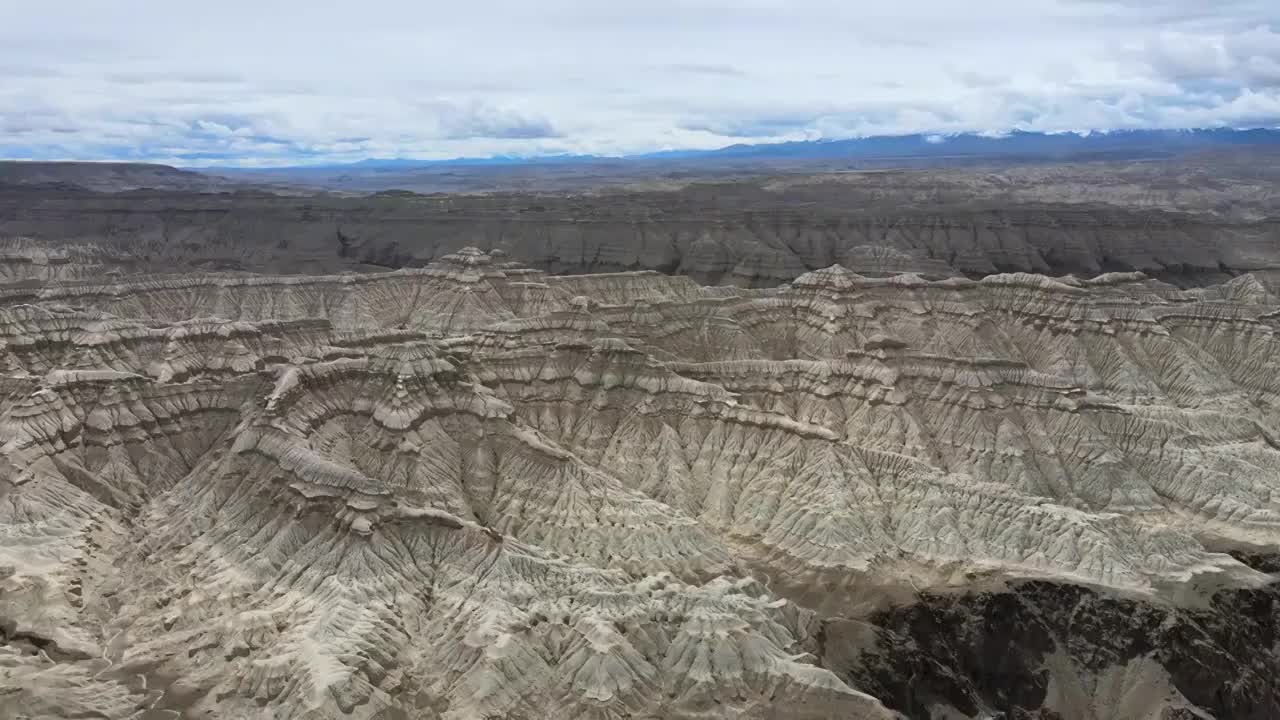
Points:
(1016, 652)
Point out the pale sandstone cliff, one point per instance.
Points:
(475, 490)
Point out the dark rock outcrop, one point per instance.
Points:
(715, 234)
(1048, 650)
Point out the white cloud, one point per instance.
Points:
(1234, 61)
(289, 81)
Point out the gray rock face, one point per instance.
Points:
(736, 234)
(474, 490)
(1051, 650)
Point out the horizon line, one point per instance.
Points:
(512, 158)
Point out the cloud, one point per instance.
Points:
(1184, 13)
(315, 82)
(143, 77)
(704, 69)
(970, 78)
(18, 69)
(744, 125)
(480, 120)
(1248, 59)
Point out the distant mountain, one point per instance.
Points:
(395, 164)
(1125, 143)
(568, 172)
(1122, 144)
(107, 176)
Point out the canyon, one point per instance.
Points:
(929, 444)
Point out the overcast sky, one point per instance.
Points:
(269, 82)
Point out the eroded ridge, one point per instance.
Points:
(474, 490)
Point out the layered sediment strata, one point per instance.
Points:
(742, 233)
(473, 490)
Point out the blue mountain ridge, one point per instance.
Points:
(1131, 143)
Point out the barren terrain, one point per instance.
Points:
(928, 444)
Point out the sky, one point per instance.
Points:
(288, 82)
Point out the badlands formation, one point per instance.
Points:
(476, 490)
(1186, 225)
